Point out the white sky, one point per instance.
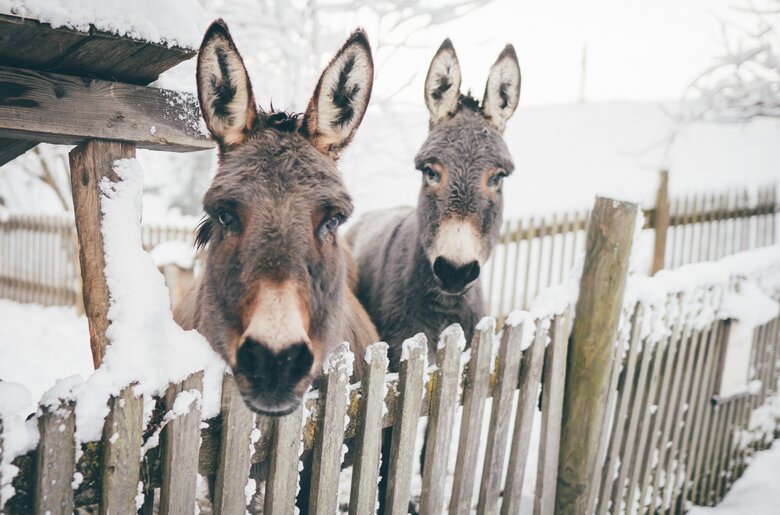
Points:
(636, 49)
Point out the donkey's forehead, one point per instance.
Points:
(274, 163)
(468, 135)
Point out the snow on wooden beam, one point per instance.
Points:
(51, 108)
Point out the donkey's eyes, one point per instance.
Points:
(330, 225)
(227, 220)
(495, 181)
(431, 176)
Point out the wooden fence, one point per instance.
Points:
(536, 252)
(666, 437)
(39, 255)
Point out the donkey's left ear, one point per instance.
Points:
(341, 97)
(502, 91)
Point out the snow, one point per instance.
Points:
(174, 252)
(30, 332)
(486, 324)
(179, 23)
(757, 492)
(417, 341)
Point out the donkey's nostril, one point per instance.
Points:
(454, 278)
(272, 371)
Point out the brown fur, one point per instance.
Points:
(274, 299)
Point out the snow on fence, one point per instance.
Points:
(537, 252)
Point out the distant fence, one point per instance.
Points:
(536, 252)
(669, 434)
(39, 255)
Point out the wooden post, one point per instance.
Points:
(661, 221)
(90, 162)
(600, 301)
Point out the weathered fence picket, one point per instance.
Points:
(181, 441)
(444, 386)
(365, 471)
(530, 377)
(508, 368)
(122, 438)
(475, 390)
(56, 457)
(234, 451)
(411, 382)
(282, 483)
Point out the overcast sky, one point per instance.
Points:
(636, 49)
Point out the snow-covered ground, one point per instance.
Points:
(757, 492)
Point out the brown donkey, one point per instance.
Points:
(273, 299)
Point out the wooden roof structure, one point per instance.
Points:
(59, 85)
(90, 89)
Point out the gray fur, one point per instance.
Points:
(396, 282)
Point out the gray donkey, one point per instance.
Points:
(417, 268)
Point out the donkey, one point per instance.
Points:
(417, 268)
(273, 299)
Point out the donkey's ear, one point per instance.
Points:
(442, 84)
(502, 91)
(341, 97)
(224, 90)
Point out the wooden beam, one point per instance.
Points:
(10, 149)
(600, 300)
(89, 163)
(51, 108)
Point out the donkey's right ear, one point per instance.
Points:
(224, 90)
(442, 84)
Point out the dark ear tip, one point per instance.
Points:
(359, 36)
(217, 28)
(508, 51)
(446, 45)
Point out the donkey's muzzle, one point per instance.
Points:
(275, 380)
(454, 278)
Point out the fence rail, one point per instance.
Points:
(39, 255)
(536, 252)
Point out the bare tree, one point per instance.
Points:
(743, 83)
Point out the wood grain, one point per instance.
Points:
(121, 453)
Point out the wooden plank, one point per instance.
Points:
(55, 460)
(672, 411)
(508, 363)
(280, 489)
(551, 435)
(645, 477)
(181, 442)
(624, 387)
(661, 224)
(365, 471)
(122, 440)
(530, 375)
(30, 44)
(328, 440)
(703, 353)
(90, 163)
(475, 391)
(411, 382)
(443, 394)
(599, 305)
(10, 149)
(53, 108)
(234, 453)
(707, 431)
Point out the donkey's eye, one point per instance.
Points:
(431, 176)
(495, 181)
(330, 225)
(227, 219)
